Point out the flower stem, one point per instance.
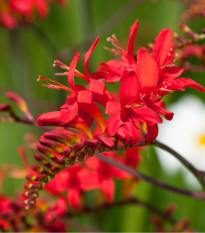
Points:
(200, 175)
(192, 194)
(129, 201)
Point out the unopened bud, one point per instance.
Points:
(91, 142)
(51, 144)
(21, 104)
(78, 146)
(42, 160)
(105, 141)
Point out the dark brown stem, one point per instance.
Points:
(24, 121)
(192, 194)
(200, 175)
(184, 42)
(129, 201)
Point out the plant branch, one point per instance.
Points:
(23, 121)
(192, 194)
(200, 175)
(129, 201)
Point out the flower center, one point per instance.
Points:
(202, 140)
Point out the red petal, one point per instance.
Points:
(146, 114)
(172, 73)
(49, 118)
(80, 124)
(114, 70)
(87, 118)
(94, 111)
(71, 72)
(147, 70)
(69, 113)
(129, 89)
(132, 157)
(113, 124)
(86, 182)
(130, 46)
(61, 206)
(8, 20)
(74, 197)
(163, 50)
(159, 107)
(92, 163)
(152, 132)
(181, 83)
(85, 96)
(59, 184)
(97, 86)
(99, 91)
(108, 186)
(112, 107)
(123, 134)
(135, 132)
(87, 56)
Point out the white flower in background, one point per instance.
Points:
(185, 134)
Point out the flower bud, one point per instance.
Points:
(105, 141)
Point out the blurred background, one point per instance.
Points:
(29, 51)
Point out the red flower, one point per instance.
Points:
(106, 173)
(80, 108)
(116, 69)
(57, 210)
(132, 157)
(74, 180)
(144, 82)
(130, 112)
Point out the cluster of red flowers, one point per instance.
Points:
(14, 218)
(82, 129)
(145, 78)
(15, 12)
(64, 163)
(77, 179)
(131, 118)
(50, 214)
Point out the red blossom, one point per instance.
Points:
(106, 173)
(74, 180)
(80, 109)
(144, 82)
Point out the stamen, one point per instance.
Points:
(62, 65)
(61, 85)
(116, 44)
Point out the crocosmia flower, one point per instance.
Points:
(124, 119)
(145, 78)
